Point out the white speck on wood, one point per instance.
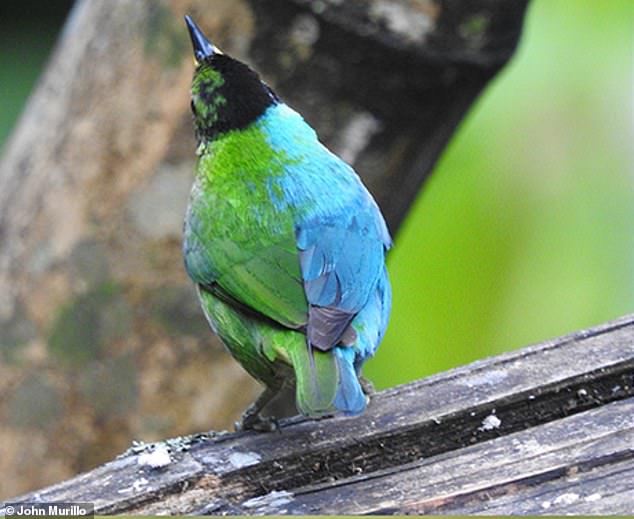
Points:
(156, 459)
(566, 499)
(546, 505)
(592, 497)
(490, 422)
(244, 459)
(137, 486)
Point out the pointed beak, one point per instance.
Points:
(203, 48)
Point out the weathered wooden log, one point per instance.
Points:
(545, 429)
(99, 326)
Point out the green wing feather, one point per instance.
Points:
(270, 283)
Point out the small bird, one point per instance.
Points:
(284, 243)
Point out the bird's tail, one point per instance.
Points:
(316, 380)
(350, 398)
(326, 381)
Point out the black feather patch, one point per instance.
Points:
(327, 326)
(245, 96)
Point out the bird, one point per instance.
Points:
(284, 243)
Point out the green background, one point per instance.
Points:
(525, 230)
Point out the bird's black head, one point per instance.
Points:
(226, 94)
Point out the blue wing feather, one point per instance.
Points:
(341, 238)
(342, 257)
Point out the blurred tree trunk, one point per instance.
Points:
(101, 338)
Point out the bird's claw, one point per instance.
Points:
(367, 386)
(255, 422)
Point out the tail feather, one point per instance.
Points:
(326, 381)
(350, 398)
(316, 380)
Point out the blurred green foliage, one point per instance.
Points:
(525, 230)
(28, 29)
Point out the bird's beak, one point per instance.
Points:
(203, 48)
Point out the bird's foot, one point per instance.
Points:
(367, 386)
(255, 422)
(252, 420)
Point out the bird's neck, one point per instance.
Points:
(243, 154)
(278, 128)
